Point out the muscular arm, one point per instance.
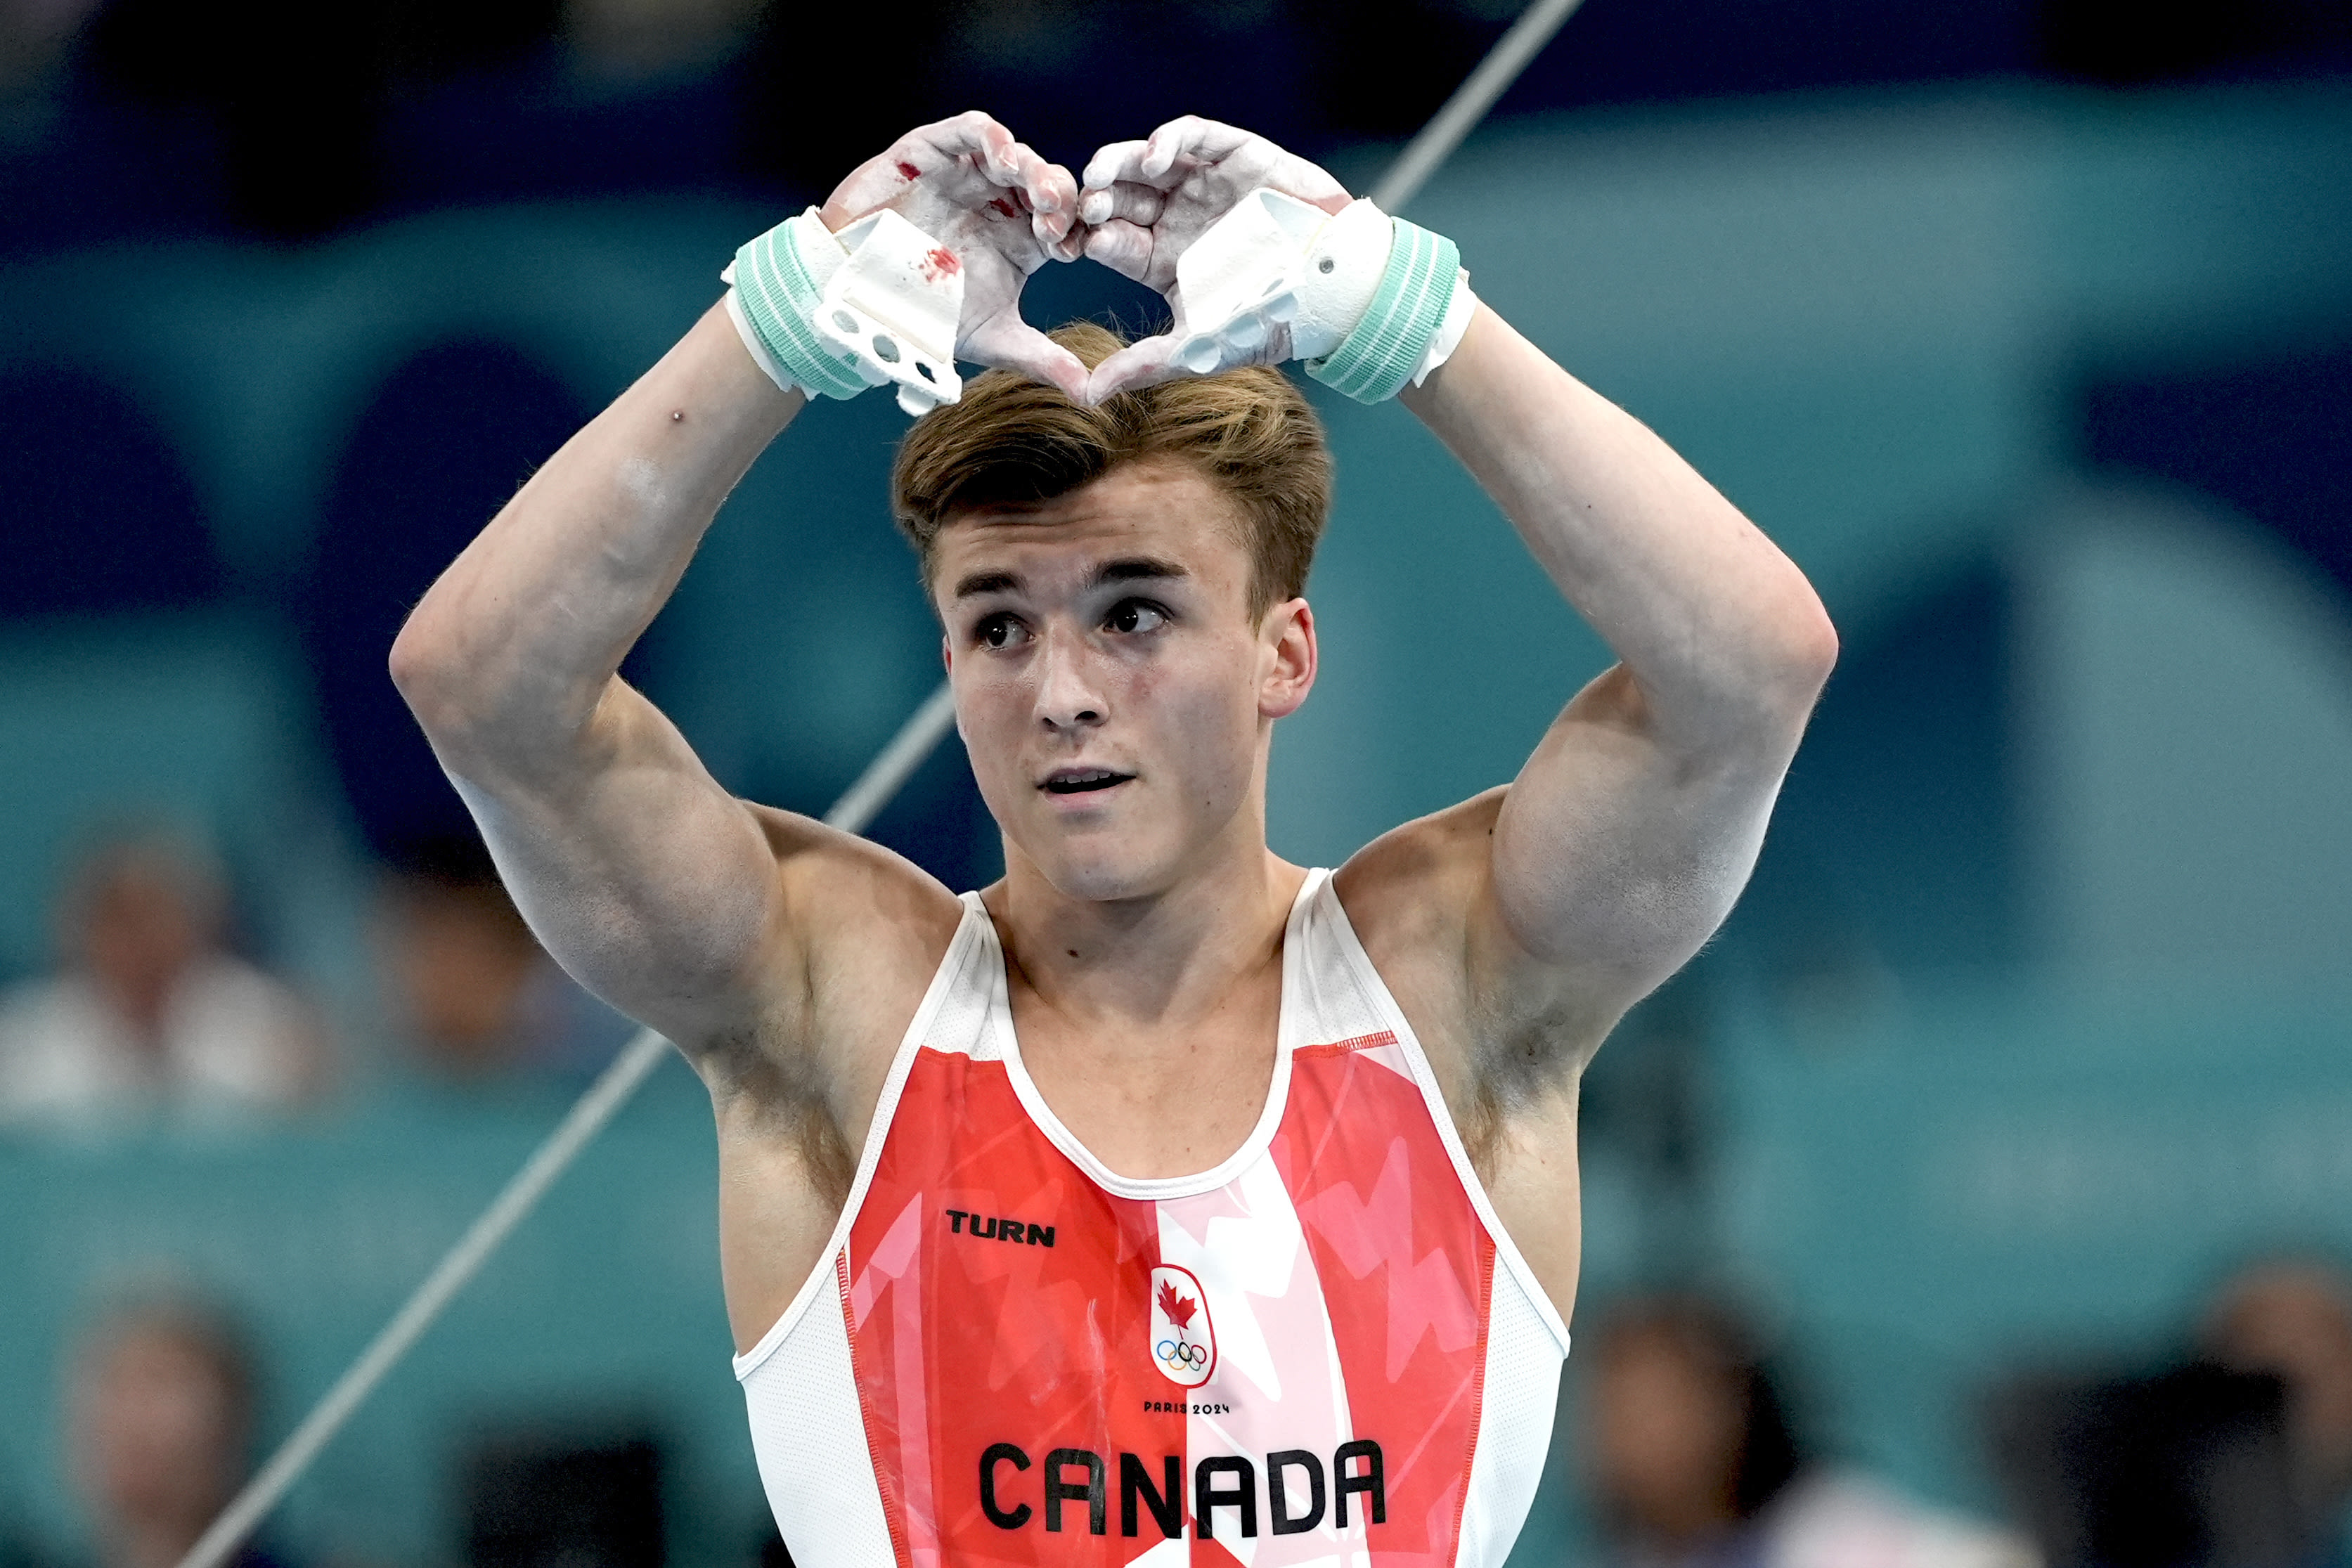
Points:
(1628, 834)
(1547, 909)
(630, 860)
(686, 907)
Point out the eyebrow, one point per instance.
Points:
(1137, 568)
(1127, 568)
(987, 582)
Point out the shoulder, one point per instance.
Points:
(224, 991)
(244, 1033)
(58, 1053)
(1412, 876)
(847, 899)
(1826, 1518)
(1421, 900)
(29, 1006)
(859, 933)
(1422, 892)
(1411, 896)
(55, 1020)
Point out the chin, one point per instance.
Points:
(1103, 879)
(1101, 867)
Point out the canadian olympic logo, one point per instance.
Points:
(1183, 1343)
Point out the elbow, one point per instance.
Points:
(423, 667)
(1790, 663)
(411, 662)
(1812, 644)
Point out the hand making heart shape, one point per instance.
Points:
(1146, 205)
(1002, 211)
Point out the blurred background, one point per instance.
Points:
(1981, 1196)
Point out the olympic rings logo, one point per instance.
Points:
(1177, 1353)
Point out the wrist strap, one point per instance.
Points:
(778, 287)
(834, 314)
(1376, 360)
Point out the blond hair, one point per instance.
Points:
(1014, 442)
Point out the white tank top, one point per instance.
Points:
(1326, 1349)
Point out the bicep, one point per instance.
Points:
(1618, 852)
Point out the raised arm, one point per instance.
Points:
(643, 875)
(1528, 919)
(1627, 837)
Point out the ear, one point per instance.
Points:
(1287, 658)
(947, 662)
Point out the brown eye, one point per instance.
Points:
(1136, 615)
(997, 632)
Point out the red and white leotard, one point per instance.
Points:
(1325, 1350)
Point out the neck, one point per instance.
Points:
(1166, 959)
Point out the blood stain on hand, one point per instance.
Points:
(908, 171)
(1005, 207)
(940, 263)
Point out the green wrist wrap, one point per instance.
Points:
(1376, 359)
(779, 294)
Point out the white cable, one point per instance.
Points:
(883, 779)
(584, 1121)
(874, 788)
(888, 772)
(1461, 112)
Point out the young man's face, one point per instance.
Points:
(1112, 686)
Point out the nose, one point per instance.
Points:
(1069, 697)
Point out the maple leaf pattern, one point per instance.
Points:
(1179, 1307)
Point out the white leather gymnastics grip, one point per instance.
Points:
(834, 314)
(895, 304)
(1276, 264)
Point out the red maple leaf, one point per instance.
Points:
(1179, 1307)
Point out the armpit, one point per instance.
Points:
(758, 1097)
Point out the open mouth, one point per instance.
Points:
(1082, 780)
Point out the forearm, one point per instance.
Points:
(514, 648)
(1717, 625)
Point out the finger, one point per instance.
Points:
(1204, 141)
(1015, 345)
(945, 143)
(1113, 162)
(1068, 245)
(1137, 366)
(1123, 247)
(1048, 186)
(945, 152)
(970, 132)
(1130, 162)
(1127, 200)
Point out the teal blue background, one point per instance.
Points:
(2039, 1091)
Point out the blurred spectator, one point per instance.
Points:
(1695, 1463)
(150, 1014)
(159, 1408)
(2291, 1318)
(474, 999)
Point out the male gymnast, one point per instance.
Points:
(1164, 1200)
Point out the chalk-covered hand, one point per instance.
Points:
(1146, 203)
(998, 210)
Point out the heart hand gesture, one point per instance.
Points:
(1146, 202)
(1000, 210)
